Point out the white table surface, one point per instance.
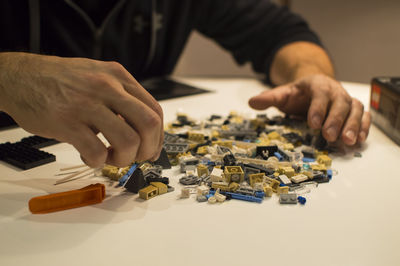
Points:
(353, 220)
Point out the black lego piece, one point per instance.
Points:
(38, 142)
(261, 168)
(163, 160)
(136, 182)
(23, 156)
(320, 142)
(293, 138)
(271, 149)
(229, 160)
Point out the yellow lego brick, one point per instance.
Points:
(307, 173)
(194, 136)
(288, 146)
(274, 135)
(223, 143)
(162, 188)
(267, 190)
(233, 186)
(214, 134)
(318, 167)
(282, 190)
(325, 160)
(234, 174)
(202, 170)
(220, 185)
(273, 183)
(202, 150)
(276, 174)
(286, 170)
(256, 178)
(148, 192)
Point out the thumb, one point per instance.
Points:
(277, 97)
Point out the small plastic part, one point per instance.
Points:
(125, 177)
(89, 195)
(301, 200)
(288, 199)
(163, 160)
(136, 182)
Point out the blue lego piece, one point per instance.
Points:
(278, 155)
(282, 185)
(243, 197)
(329, 173)
(259, 194)
(125, 177)
(308, 160)
(301, 200)
(306, 166)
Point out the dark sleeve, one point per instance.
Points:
(252, 30)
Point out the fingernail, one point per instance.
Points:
(331, 132)
(316, 121)
(351, 136)
(362, 136)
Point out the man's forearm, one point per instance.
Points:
(297, 60)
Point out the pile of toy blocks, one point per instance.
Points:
(234, 157)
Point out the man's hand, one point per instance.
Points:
(324, 102)
(72, 99)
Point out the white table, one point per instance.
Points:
(353, 220)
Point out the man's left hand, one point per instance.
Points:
(325, 103)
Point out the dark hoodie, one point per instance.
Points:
(147, 36)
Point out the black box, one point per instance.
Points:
(385, 106)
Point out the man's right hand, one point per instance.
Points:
(72, 99)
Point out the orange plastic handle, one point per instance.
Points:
(89, 195)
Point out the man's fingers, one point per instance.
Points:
(318, 108)
(124, 140)
(92, 150)
(146, 122)
(338, 113)
(277, 97)
(364, 130)
(352, 126)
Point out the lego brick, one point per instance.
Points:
(256, 178)
(288, 199)
(189, 180)
(161, 187)
(148, 192)
(175, 148)
(284, 179)
(38, 142)
(163, 160)
(217, 175)
(23, 156)
(136, 181)
(234, 174)
(299, 178)
(282, 190)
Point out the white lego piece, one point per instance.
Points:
(219, 197)
(285, 180)
(203, 190)
(217, 175)
(299, 178)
